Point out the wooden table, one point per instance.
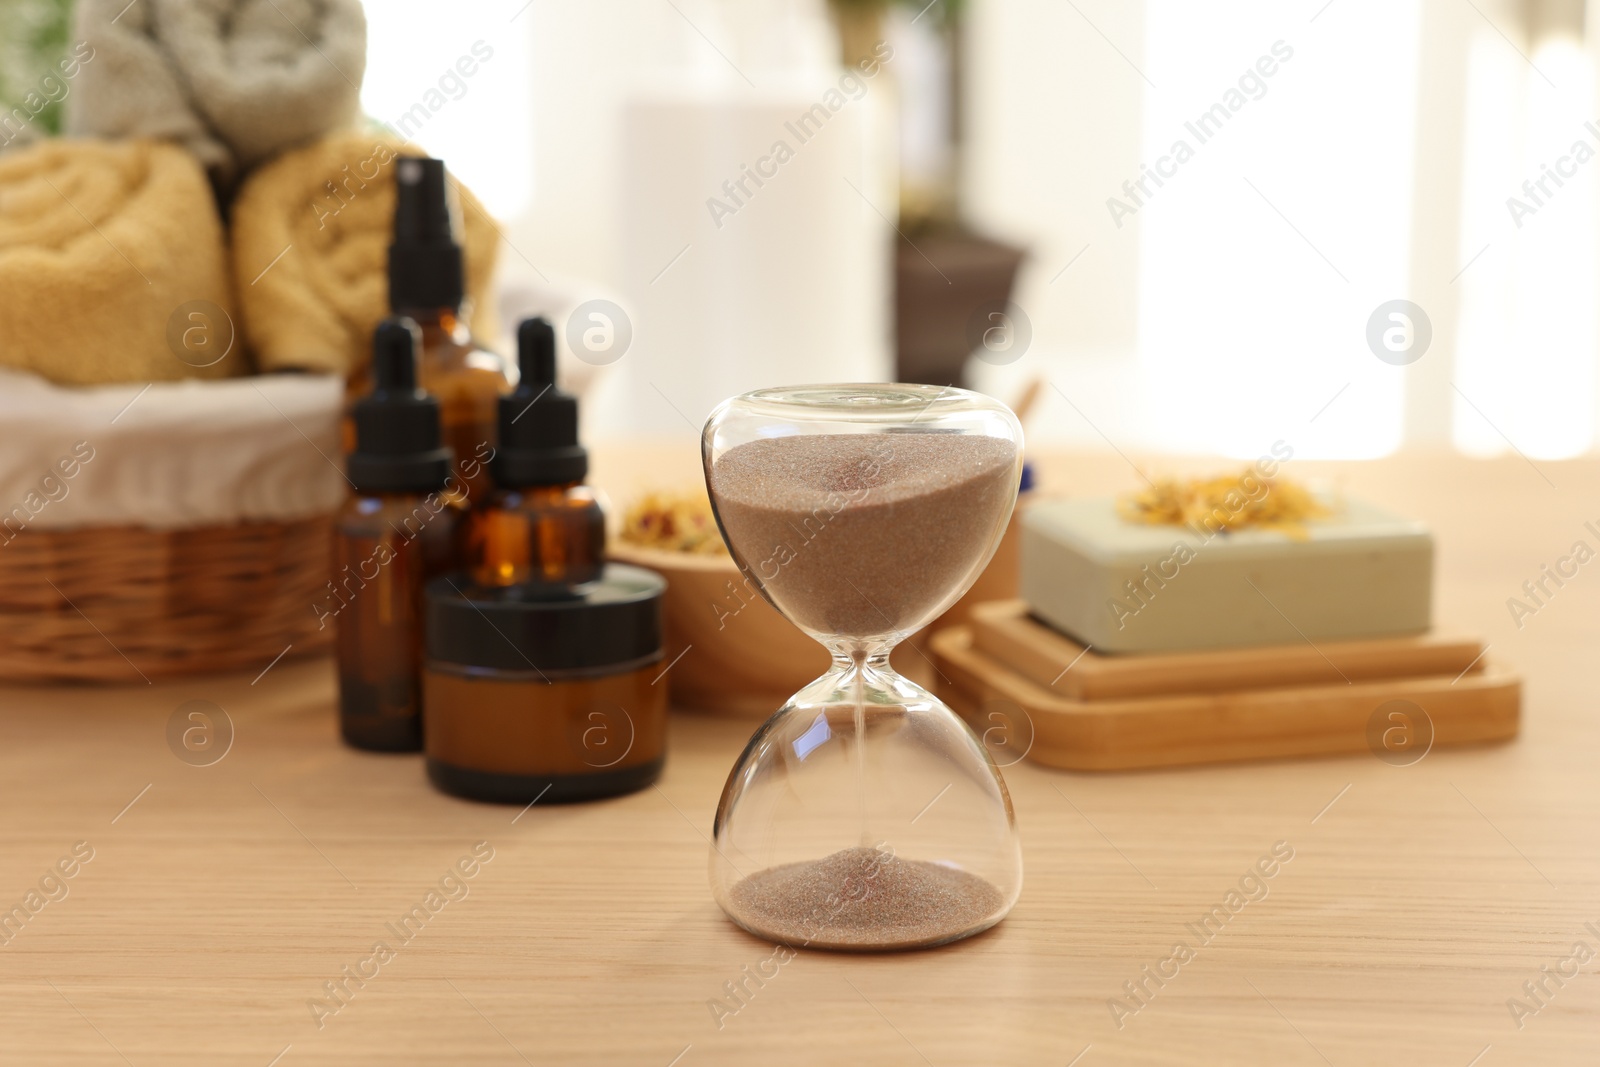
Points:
(220, 899)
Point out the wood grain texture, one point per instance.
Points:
(1401, 717)
(1418, 900)
(1004, 631)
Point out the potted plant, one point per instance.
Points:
(948, 277)
(36, 35)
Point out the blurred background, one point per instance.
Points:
(1229, 310)
(984, 168)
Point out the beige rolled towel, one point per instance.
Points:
(311, 235)
(112, 266)
(237, 81)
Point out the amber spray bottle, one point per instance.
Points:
(541, 528)
(396, 531)
(427, 283)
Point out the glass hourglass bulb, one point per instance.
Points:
(864, 814)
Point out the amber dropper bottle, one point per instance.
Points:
(541, 528)
(396, 532)
(427, 283)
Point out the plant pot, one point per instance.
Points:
(860, 27)
(936, 303)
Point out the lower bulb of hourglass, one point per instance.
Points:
(877, 825)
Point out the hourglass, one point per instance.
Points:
(864, 814)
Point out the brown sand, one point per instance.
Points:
(863, 534)
(861, 898)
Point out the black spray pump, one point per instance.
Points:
(538, 422)
(397, 424)
(425, 263)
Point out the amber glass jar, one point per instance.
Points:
(548, 698)
(544, 535)
(468, 382)
(427, 282)
(397, 530)
(386, 548)
(541, 526)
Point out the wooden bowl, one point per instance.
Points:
(742, 658)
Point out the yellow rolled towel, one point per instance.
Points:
(311, 235)
(112, 266)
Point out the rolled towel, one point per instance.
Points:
(112, 267)
(311, 234)
(237, 81)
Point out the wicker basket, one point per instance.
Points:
(121, 604)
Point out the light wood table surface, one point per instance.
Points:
(220, 899)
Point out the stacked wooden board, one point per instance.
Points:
(1072, 707)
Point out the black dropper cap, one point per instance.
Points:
(397, 424)
(538, 422)
(425, 264)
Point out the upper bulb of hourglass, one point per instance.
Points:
(862, 512)
(864, 814)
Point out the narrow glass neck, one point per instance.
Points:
(869, 661)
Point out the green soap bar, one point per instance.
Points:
(1131, 587)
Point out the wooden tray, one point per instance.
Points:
(1172, 730)
(1004, 631)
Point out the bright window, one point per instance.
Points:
(1525, 362)
(480, 124)
(1265, 252)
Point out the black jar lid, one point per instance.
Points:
(614, 622)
